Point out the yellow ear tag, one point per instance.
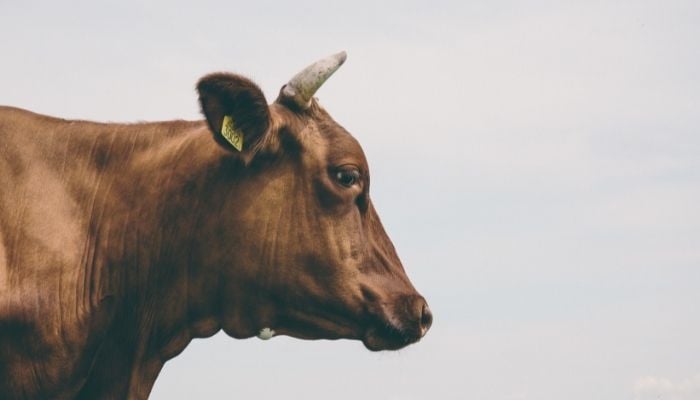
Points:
(231, 134)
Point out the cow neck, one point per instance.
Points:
(154, 231)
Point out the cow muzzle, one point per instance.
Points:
(398, 324)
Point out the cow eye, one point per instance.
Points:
(347, 176)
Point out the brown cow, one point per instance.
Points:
(119, 243)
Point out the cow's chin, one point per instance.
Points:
(387, 337)
(375, 338)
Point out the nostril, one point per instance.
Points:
(426, 319)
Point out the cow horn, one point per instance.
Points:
(302, 87)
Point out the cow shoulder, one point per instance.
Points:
(49, 329)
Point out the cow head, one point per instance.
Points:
(301, 249)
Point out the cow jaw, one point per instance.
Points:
(393, 327)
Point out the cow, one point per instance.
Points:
(120, 243)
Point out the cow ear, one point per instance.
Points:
(236, 111)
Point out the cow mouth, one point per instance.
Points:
(398, 324)
(382, 336)
(388, 337)
(385, 328)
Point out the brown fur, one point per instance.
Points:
(119, 243)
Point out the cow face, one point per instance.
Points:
(301, 247)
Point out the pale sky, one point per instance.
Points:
(536, 163)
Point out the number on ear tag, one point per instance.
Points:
(231, 134)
